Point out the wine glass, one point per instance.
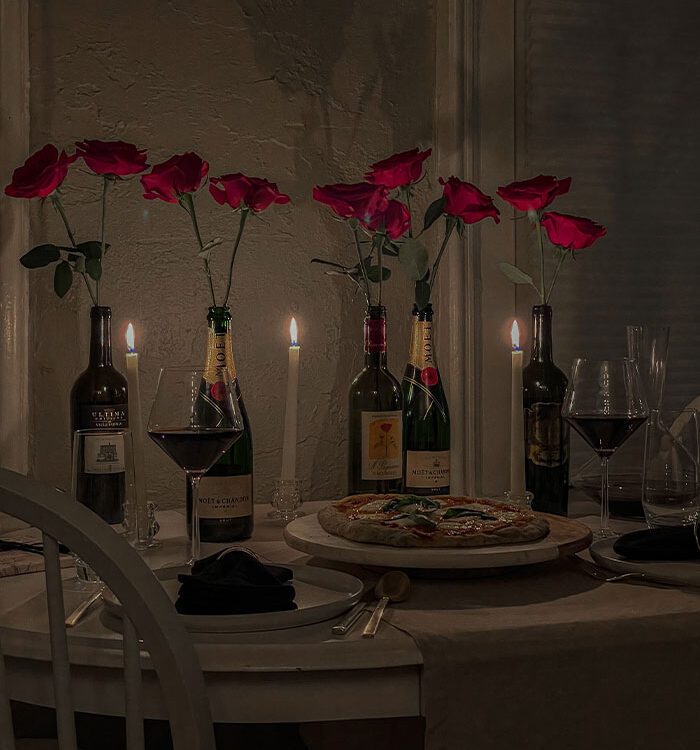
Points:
(604, 402)
(195, 419)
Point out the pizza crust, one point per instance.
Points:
(336, 522)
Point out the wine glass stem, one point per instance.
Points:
(195, 548)
(604, 500)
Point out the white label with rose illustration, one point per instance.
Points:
(382, 444)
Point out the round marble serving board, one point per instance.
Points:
(676, 571)
(320, 595)
(565, 537)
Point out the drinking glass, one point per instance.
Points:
(604, 402)
(670, 489)
(648, 345)
(195, 419)
(102, 479)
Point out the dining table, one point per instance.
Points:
(534, 656)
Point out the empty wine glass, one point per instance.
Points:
(195, 419)
(604, 402)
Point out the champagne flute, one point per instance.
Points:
(195, 419)
(604, 402)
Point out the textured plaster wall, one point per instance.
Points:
(299, 91)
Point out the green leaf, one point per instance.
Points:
(434, 211)
(62, 278)
(515, 274)
(40, 256)
(413, 256)
(460, 228)
(373, 273)
(93, 266)
(91, 249)
(329, 263)
(422, 294)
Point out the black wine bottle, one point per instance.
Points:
(546, 433)
(375, 423)
(99, 401)
(226, 490)
(426, 418)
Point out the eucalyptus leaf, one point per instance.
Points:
(62, 278)
(373, 273)
(422, 294)
(204, 254)
(460, 228)
(93, 266)
(413, 256)
(91, 249)
(515, 274)
(40, 256)
(211, 245)
(434, 211)
(78, 262)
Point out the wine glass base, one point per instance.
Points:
(607, 533)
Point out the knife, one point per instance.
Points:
(350, 619)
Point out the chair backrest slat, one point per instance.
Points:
(132, 688)
(65, 719)
(7, 735)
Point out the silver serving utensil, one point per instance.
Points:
(350, 619)
(609, 576)
(391, 587)
(81, 610)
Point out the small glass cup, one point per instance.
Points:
(286, 499)
(102, 479)
(524, 500)
(671, 480)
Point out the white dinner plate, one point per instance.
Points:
(566, 536)
(676, 571)
(320, 595)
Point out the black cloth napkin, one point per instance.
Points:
(234, 583)
(672, 543)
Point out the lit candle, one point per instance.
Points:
(132, 377)
(289, 444)
(517, 430)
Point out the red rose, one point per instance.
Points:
(41, 174)
(399, 169)
(395, 218)
(112, 157)
(534, 194)
(429, 376)
(254, 192)
(571, 232)
(180, 174)
(356, 201)
(467, 202)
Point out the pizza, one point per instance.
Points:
(440, 521)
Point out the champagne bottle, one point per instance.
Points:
(426, 418)
(375, 425)
(546, 433)
(226, 490)
(99, 401)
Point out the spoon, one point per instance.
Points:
(391, 587)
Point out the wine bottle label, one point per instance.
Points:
(547, 435)
(104, 417)
(219, 354)
(375, 335)
(226, 497)
(427, 469)
(420, 354)
(382, 444)
(104, 454)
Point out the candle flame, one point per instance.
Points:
(294, 333)
(130, 338)
(515, 336)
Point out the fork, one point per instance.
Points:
(607, 576)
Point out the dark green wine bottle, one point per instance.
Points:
(546, 433)
(426, 418)
(375, 424)
(99, 401)
(226, 490)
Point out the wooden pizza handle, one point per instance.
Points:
(373, 622)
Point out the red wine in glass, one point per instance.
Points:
(195, 450)
(605, 404)
(604, 433)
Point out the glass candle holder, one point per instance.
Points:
(286, 499)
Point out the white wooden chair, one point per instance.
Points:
(150, 613)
